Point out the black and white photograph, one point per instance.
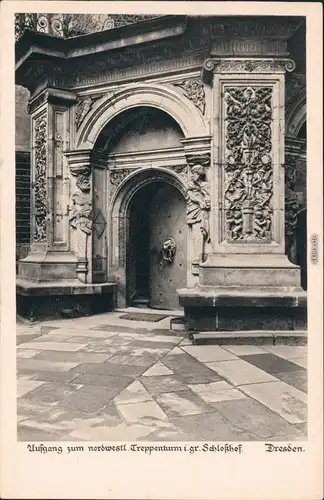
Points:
(161, 229)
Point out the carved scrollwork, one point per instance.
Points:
(194, 90)
(248, 169)
(40, 188)
(248, 65)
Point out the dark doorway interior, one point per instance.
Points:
(139, 246)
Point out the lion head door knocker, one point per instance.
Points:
(169, 248)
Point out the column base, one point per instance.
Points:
(64, 298)
(235, 309)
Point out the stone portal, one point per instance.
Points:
(194, 127)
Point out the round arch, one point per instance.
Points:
(184, 112)
(296, 116)
(119, 214)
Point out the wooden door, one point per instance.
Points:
(167, 223)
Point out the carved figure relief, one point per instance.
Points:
(82, 108)
(248, 172)
(194, 90)
(81, 213)
(198, 205)
(40, 188)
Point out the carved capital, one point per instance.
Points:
(198, 159)
(51, 96)
(80, 167)
(246, 65)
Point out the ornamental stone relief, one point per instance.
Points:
(248, 171)
(40, 188)
(117, 176)
(82, 108)
(194, 90)
(248, 65)
(198, 201)
(81, 209)
(291, 205)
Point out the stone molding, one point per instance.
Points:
(194, 146)
(51, 96)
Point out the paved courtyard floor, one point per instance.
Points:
(103, 378)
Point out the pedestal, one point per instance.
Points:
(247, 282)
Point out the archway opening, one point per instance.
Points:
(156, 246)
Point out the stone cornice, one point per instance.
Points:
(47, 46)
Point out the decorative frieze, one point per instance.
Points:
(194, 90)
(248, 171)
(40, 179)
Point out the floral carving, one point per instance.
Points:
(248, 172)
(194, 90)
(40, 190)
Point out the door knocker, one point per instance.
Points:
(169, 249)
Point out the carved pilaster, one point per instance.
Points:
(248, 169)
(40, 154)
(248, 156)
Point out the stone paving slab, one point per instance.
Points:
(100, 378)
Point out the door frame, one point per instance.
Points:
(119, 223)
